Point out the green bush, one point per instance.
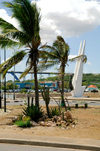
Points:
(33, 112)
(26, 118)
(23, 90)
(55, 111)
(23, 124)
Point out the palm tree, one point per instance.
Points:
(57, 54)
(26, 37)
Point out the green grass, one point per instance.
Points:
(23, 124)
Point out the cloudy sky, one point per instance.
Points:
(75, 20)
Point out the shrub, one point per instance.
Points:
(33, 112)
(23, 90)
(26, 118)
(20, 117)
(23, 121)
(23, 124)
(55, 111)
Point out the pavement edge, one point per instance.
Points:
(50, 144)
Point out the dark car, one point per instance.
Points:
(94, 90)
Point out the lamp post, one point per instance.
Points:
(5, 83)
(14, 82)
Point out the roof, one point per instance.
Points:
(92, 86)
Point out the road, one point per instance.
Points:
(13, 147)
(21, 101)
(71, 103)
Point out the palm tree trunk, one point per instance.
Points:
(36, 86)
(47, 108)
(62, 85)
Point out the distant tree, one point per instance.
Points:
(10, 86)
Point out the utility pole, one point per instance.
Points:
(14, 82)
(5, 83)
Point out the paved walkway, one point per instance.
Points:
(16, 147)
(61, 142)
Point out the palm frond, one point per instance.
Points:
(28, 16)
(8, 64)
(6, 26)
(26, 72)
(9, 31)
(45, 55)
(43, 66)
(48, 48)
(8, 4)
(49, 55)
(84, 58)
(42, 54)
(61, 46)
(6, 42)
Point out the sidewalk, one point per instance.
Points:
(61, 142)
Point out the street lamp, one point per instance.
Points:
(14, 82)
(0, 85)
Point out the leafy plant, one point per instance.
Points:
(23, 124)
(33, 112)
(23, 121)
(23, 90)
(55, 111)
(20, 117)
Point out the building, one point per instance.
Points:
(26, 85)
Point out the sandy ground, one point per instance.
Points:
(88, 125)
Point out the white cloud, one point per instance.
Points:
(68, 18)
(5, 16)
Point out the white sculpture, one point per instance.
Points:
(78, 89)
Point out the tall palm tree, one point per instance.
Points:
(26, 36)
(57, 54)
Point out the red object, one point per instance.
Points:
(53, 84)
(92, 86)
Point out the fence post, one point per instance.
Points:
(28, 101)
(32, 101)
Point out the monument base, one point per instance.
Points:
(78, 92)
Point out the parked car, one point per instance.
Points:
(10, 90)
(30, 90)
(95, 90)
(91, 90)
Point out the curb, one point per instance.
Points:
(50, 144)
